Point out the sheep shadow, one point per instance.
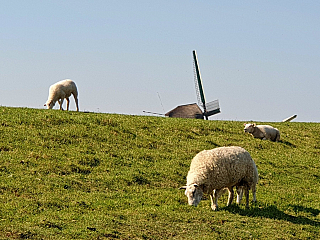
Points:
(272, 212)
(297, 208)
(289, 144)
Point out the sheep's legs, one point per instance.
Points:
(75, 96)
(231, 196)
(77, 104)
(239, 194)
(68, 101)
(217, 193)
(247, 196)
(254, 199)
(240, 190)
(214, 199)
(76, 100)
(60, 101)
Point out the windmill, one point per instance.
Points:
(193, 110)
(209, 108)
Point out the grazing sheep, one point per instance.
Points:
(60, 91)
(264, 132)
(213, 170)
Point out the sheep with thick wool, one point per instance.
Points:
(264, 132)
(60, 91)
(211, 171)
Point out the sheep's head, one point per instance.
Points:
(49, 104)
(249, 127)
(194, 194)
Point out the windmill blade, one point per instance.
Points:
(212, 108)
(198, 81)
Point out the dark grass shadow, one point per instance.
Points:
(312, 211)
(212, 143)
(289, 144)
(272, 212)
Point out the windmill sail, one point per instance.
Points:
(198, 83)
(210, 108)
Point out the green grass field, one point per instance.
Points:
(70, 175)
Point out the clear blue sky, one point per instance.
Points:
(259, 58)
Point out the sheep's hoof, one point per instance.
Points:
(214, 207)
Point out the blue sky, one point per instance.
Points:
(259, 58)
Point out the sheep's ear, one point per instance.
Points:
(184, 187)
(195, 185)
(254, 124)
(244, 124)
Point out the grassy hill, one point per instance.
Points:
(70, 175)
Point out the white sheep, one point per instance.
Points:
(264, 132)
(60, 91)
(225, 167)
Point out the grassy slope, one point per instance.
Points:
(68, 175)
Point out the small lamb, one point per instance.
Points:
(211, 171)
(60, 91)
(264, 132)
